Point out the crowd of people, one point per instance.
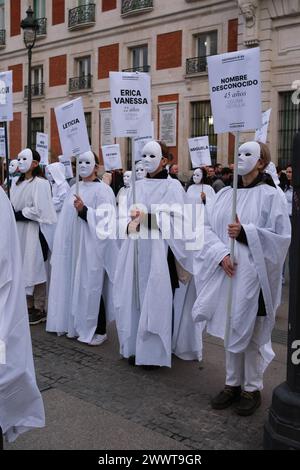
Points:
(95, 252)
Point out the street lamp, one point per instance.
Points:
(30, 27)
(282, 431)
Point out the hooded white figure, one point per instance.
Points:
(21, 403)
(144, 297)
(32, 201)
(200, 193)
(127, 178)
(262, 234)
(140, 171)
(82, 264)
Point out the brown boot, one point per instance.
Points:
(248, 403)
(226, 398)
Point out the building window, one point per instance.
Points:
(39, 8)
(140, 58)
(37, 125)
(83, 79)
(2, 23)
(37, 80)
(202, 124)
(83, 66)
(205, 45)
(88, 121)
(129, 154)
(289, 123)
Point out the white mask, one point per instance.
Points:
(86, 164)
(249, 154)
(13, 167)
(140, 171)
(152, 156)
(25, 159)
(197, 176)
(127, 179)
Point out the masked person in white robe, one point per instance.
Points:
(82, 264)
(55, 174)
(146, 281)
(262, 233)
(140, 171)
(33, 206)
(21, 405)
(13, 173)
(200, 192)
(127, 185)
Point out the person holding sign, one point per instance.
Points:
(127, 185)
(262, 233)
(33, 206)
(21, 403)
(200, 192)
(145, 316)
(82, 265)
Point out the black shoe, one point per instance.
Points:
(131, 361)
(248, 403)
(145, 367)
(36, 316)
(226, 398)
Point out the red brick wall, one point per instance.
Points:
(169, 50)
(55, 147)
(58, 70)
(108, 60)
(15, 17)
(15, 135)
(17, 77)
(166, 99)
(58, 11)
(105, 105)
(109, 5)
(233, 35)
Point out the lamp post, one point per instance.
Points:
(282, 431)
(30, 27)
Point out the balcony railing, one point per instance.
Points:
(132, 7)
(42, 31)
(2, 37)
(196, 65)
(37, 90)
(82, 16)
(144, 68)
(80, 83)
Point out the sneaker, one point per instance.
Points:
(97, 340)
(248, 403)
(36, 317)
(226, 398)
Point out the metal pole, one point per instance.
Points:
(136, 247)
(233, 218)
(29, 113)
(7, 160)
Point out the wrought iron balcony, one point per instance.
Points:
(2, 37)
(82, 16)
(42, 31)
(133, 7)
(144, 68)
(80, 83)
(196, 65)
(37, 90)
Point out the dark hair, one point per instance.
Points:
(226, 171)
(97, 161)
(165, 151)
(205, 178)
(37, 171)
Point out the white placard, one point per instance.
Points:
(72, 128)
(130, 104)
(235, 90)
(112, 157)
(42, 147)
(66, 161)
(199, 151)
(168, 124)
(106, 127)
(261, 135)
(6, 96)
(140, 142)
(2, 142)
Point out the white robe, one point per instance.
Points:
(147, 333)
(264, 217)
(33, 198)
(79, 263)
(21, 405)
